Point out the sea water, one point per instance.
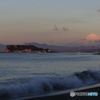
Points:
(24, 74)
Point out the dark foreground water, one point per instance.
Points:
(24, 74)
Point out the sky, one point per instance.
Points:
(54, 22)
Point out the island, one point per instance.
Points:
(25, 49)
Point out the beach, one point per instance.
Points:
(65, 95)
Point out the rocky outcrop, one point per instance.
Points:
(25, 49)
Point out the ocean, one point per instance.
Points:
(26, 74)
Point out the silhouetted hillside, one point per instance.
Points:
(51, 47)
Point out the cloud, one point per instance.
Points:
(55, 28)
(99, 10)
(65, 29)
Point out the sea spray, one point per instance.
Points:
(41, 85)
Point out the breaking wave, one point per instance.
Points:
(41, 85)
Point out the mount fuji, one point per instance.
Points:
(90, 40)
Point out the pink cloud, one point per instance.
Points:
(99, 10)
(65, 29)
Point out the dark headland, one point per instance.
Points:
(25, 49)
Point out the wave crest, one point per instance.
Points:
(89, 75)
(43, 84)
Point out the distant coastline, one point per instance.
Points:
(52, 49)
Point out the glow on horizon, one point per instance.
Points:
(34, 20)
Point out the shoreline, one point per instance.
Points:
(49, 52)
(65, 94)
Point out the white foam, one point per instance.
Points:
(43, 84)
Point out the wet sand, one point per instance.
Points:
(65, 95)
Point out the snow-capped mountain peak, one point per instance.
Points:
(92, 37)
(90, 40)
